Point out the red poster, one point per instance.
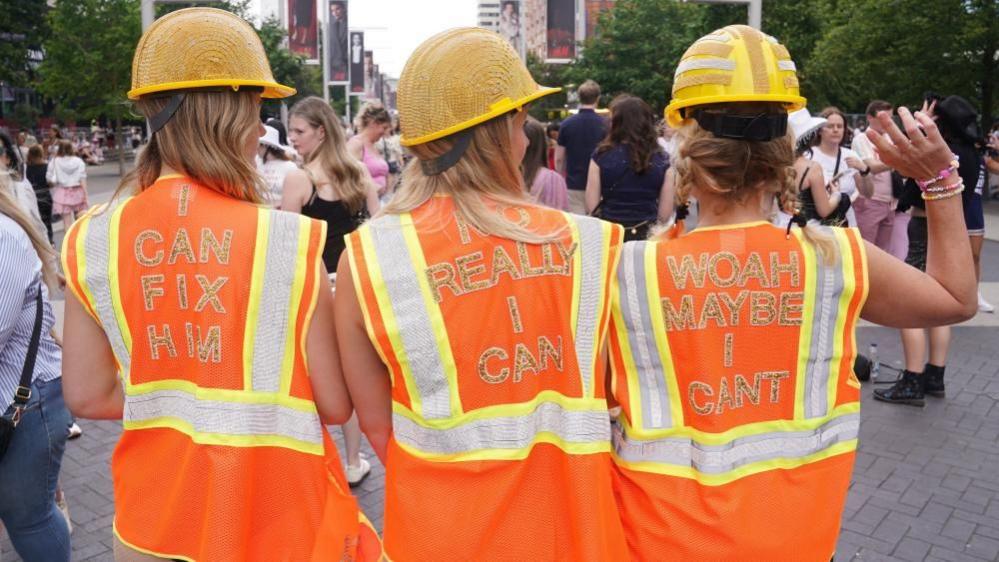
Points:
(561, 30)
(303, 29)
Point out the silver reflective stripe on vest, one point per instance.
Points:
(275, 299)
(96, 249)
(641, 337)
(412, 318)
(591, 284)
(717, 459)
(513, 432)
(828, 290)
(225, 418)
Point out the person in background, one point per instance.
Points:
(275, 167)
(816, 200)
(35, 171)
(545, 185)
(29, 469)
(878, 217)
(925, 351)
(16, 185)
(552, 131)
(51, 141)
(335, 188)
(840, 164)
(627, 181)
(373, 123)
(201, 320)
(578, 137)
(67, 174)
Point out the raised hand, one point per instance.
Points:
(921, 155)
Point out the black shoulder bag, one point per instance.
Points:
(23, 392)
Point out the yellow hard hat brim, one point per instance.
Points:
(272, 90)
(676, 120)
(505, 105)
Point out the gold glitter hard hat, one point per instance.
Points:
(201, 48)
(733, 64)
(458, 79)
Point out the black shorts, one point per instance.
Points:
(917, 243)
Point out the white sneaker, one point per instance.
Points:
(357, 474)
(74, 431)
(984, 305)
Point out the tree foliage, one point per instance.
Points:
(847, 51)
(88, 55)
(22, 29)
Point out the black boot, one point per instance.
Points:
(908, 389)
(933, 380)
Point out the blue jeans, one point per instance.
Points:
(28, 476)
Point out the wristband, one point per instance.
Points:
(865, 172)
(944, 174)
(943, 195)
(937, 188)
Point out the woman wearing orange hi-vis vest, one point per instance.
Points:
(203, 320)
(732, 346)
(470, 323)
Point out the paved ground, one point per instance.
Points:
(925, 486)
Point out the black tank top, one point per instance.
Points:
(339, 222)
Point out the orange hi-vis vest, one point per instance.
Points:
(206, 302)
(732, 354)
(501, 434)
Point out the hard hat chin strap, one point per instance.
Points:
(156, 122)
(445, 161)
(759, 128)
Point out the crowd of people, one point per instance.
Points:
(613, 337)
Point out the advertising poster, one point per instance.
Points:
(511, 26)
(594, 9)
(357, 62)
(303, 29)
(369, 74)
(561, 31)
(338, 56)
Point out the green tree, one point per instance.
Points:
(549, 107)
(22, 28)
(88, 57)
(288, 68)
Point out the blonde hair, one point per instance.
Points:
(9, 207)
(485, 171)
(737, 170)
(371, 112)
(204, 140)
(344, 172)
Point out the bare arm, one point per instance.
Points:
(560, 159)
(325, 375)
(592, 195)
(666, 195)
(297, 190)
(864, 183)
(366, 376)
(355, 146)
(900, 295)
(825, 202)
(90, 382)
(876, 165)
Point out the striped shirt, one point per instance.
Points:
(20, 281)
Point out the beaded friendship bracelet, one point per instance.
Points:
(944, 174)
(939, 194)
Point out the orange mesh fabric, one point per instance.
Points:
(550, 506)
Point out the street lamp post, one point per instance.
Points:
(755, 9)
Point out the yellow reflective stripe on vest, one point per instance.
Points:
(648, 361)
(216, 422)
(590, 265)
(275, 307)
(407, 313)
(101, 280)
(828, 294)
(578, 426)
(720, 463)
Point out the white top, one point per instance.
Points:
(274, 172)
(66, 171)
(847, 184)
